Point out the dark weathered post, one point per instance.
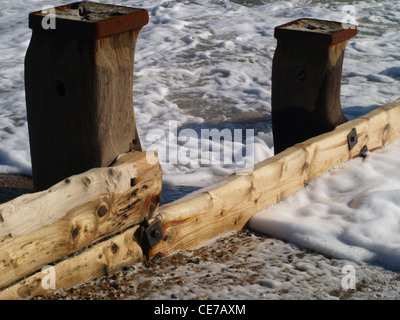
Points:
(78, 80)
(306, 80)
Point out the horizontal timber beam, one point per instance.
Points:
(229, 204)
(225, 206)
(43, 227)
(100, 260)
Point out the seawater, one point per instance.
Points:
(207, 65)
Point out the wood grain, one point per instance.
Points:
(225, 206)
(79, 103)
(306, 82)
(43, 227)
(100, 260)
(229, 204)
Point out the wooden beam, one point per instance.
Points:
(100, 260)
(229, 204)
(40, 228)
(223, 207)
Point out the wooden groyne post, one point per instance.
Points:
(306, 79)
(78, 80)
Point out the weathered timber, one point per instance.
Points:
(43, 227)
(306, 80)
(102, 259)
(229, 204)
(78, 83)
(225, 206)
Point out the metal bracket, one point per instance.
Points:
(352, 138)
(154, 233)
(363, 152)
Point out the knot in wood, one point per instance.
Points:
(102, 210)
(114, 248)
(75, 232)
(86, 181)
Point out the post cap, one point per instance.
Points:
(315, 31)
(90, 19)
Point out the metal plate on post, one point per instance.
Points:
(352, 138)
(363, 152)
(154, 233)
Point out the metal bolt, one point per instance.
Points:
(156, 234)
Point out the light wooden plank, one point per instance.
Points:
(228, 205)
(100, 260)
(37, 229)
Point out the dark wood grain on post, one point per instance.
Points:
(79, 80)
(306, 80)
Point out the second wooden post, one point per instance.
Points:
(306, 80)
